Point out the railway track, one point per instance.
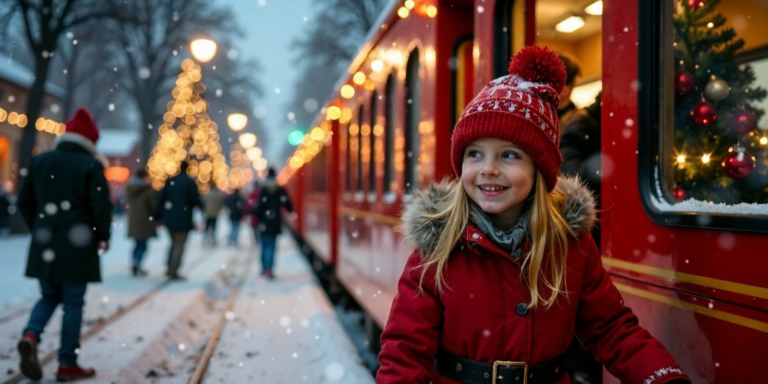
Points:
(202, 365)
(97, 328)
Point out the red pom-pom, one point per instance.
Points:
(539, 64)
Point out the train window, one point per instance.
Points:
(389, 133)
(359, 148)
(372, 150)
(502, 36)
(412, 119)
(462, 68)
(348, 159)
(703, 145)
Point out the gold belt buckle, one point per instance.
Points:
(499, 363)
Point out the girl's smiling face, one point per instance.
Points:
(498, 176)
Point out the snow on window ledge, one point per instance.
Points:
(698, 206)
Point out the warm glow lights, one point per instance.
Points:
(334, 113)
(403, 12)
(409, 4)
(347, 91)
(570, 24)
(317, 134)
(359, 78)
(432, 11)
(377, 65)
(706, 158)
(595, 9)
(764, 140)
(117, 174)
(237, 121)
(254, 153)
(681, 159)
(203, 50)
(247, 140)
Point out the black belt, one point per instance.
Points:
(506, 372)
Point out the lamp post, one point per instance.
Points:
(203, 50)
(237, 121)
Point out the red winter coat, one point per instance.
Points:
(476, 316)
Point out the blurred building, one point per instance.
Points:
(122, 148)
(15, 82)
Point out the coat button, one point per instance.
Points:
(522, 309)
(473, 244)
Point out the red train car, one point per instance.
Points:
(696, 274)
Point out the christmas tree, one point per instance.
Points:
(721, 154)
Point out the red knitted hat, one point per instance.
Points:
(82, 124)
(520, 108)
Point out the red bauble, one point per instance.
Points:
(742, 121)
(738, 163)
(696, 4)
(704, 113)
(684, 82)
(678, 193)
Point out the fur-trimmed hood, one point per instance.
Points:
(83, 142)
(422, 233)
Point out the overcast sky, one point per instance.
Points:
(270, 26)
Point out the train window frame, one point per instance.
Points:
(348, 160)
(359, 190)
(455, 73)
(412, 120)
(390, 120)
(373, 117)
(656, 17)
(502, 38)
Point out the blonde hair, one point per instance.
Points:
(548, 234)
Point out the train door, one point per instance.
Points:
(573, 29)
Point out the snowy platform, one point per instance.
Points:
(280, 331)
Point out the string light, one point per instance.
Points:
(705, 159)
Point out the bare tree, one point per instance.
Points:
(330, 43)
(44, 22)
(150, 49)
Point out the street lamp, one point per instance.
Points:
(247, 140)
(237, 121)
(203, 50)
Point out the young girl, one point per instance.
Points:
(505, 270)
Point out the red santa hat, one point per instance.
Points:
(82, 124)
(520, 108)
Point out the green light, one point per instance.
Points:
(296, 137)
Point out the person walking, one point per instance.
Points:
(213, 202)
(5, 212)
(174, 209)
(235, 205)
(504, 270)
(250, 206)
(268, 212)
(141, 204)
(64, 201)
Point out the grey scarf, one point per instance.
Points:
(512, 240)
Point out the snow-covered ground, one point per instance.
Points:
(282, 331)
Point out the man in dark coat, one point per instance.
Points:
(235, 205)
(142, 199)
(174, 210)
(566, 110)
(271, 199)
(64, 200)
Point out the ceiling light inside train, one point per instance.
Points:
(347, 91)
(432, 10)
(409, 4)
(377, 65)
(570, 24)
(595, 9)
(359, 78)
(403, 12)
